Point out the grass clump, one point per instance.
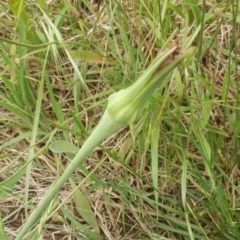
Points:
(171, 175)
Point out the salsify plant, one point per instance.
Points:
(124, 108)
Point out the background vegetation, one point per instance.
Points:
(172, 175)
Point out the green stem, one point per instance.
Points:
(105, 128)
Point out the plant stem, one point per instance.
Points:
(105, 128)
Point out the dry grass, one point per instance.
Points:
(193, 121)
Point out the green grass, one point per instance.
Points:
(173, 174)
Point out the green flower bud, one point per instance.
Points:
(125, 106)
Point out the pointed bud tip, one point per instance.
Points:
(173, 56)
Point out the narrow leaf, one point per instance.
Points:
(63, 147)
(88, 56)
(84, 208)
